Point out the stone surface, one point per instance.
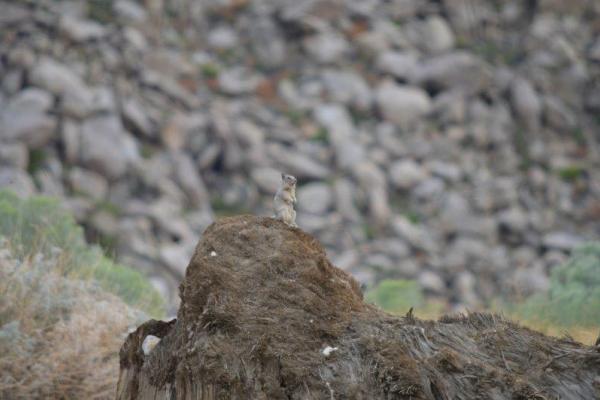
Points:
(402, 105)
(315, 198)
(106, 147)
(25, 118)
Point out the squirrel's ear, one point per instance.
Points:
(282, 175)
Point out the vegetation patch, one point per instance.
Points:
(39, 226)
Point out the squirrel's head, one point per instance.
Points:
(288, 180)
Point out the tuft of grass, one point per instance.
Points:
(571, 173)
(210, 71)
(322, 136)
(39, 225)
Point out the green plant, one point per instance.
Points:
(100, 10)
(396, 295)
(295, 116)
(210, 71)
(36, 160)
(39, 226)
(59, 337)
(574, 295)
(322, 136)
(571, 173)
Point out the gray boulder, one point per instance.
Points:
(402, 105)
(106, 147)
(315, 198)
(25, 119)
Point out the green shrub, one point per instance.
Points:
(59, 337)
(396, 295)
(571, 173)
(39, 226)
(574, 295)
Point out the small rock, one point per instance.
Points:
(268, 179)
(190, 180)
(297, 164)
(344, 199)
(89, 183)
(315, 198)
(458, 71)
(432, 282)
(401, 65)
(437, 35)
(429, 189)
(347, 87)
(526, 103)
(14, 155)
(326, 47)
(130, 10)
(17, 181)
(174, 257)
(402, 105)
(528, 281)
(106, 147)
(236, 81)
(222, 38)
(62, 81)
(81, 30)
(561, 241)
(405, 174)
(25, 118)
(71, 138)
(513, 220)
(136, 119)
(268, 42)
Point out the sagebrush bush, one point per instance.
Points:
(574, 295)
(59, 337)
(38, 225)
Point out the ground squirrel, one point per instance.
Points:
(284, 200)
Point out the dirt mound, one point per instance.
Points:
(264, 315)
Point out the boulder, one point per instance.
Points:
(401, 104)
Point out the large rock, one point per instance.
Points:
(315, 198)
(526, 104)
(436, 35)
(106, 147)
(326, 47)
(62, 81)
(347, 87)
(265, 315)
(80, 30)
(403, 105)
(401, 65)
(25, 118)
(405, 174)
(458, 71)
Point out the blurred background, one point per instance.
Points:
(446, 150)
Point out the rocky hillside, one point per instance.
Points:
(453, 142)
(265, 315)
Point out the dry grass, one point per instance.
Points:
(59, 338)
